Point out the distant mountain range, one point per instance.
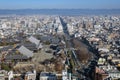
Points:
(68, 12)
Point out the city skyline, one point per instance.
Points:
(61, 4)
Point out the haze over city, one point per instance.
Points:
(59, 4)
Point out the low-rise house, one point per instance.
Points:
(109, 71)
(47, 76)
(114, 74)
(30, 75)
(100, 74)
(2, 76)
(103, 50)
(64, 75)
(101, 61)
(6, 48)
(14, 76)
(116, 60)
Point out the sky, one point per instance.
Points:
(60, 4)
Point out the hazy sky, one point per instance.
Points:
(58, 4)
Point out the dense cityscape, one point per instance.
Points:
(52, 47)
(59, 39)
